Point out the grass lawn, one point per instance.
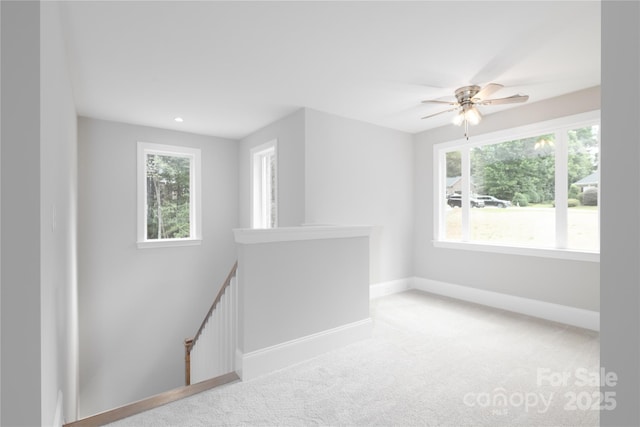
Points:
(533, 225)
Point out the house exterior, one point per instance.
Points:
(61, 273)
(454, 185)
(589, 181)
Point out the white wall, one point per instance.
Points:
(138, 305)
(571, 283)
(58, 223)
(361, 174)
(289, 132)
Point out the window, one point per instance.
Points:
(264, 199)
(536, 187)
(168, 195)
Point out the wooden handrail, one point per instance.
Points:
(227, 282)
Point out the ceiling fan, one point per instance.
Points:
(468, 98)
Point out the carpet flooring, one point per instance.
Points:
(431, 361)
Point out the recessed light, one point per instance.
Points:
(179, 119)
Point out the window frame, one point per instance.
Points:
(560, 128)
(195, 193)
(257, 207)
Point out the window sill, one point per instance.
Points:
(146, 244)
(568, 254)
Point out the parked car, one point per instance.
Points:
(492, 201)
(455, 200)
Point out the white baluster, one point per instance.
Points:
(225, 343)
(229, 345)
(202, 351)
(216, 346)
(196, 359)
(210, 345)
(219, 337)
(225, 331)
(206, 350)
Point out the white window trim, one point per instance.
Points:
(568, 254)
(559, 127)
(256, 180)
(195, 208)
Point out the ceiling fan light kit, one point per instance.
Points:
(467, 98)
(468, 113)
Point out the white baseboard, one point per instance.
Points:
(545, 310)
(58, 417)
(263, 361)
(237, 367)
(382, 289)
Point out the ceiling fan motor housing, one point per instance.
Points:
(465, 94)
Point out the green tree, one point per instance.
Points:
(454, 164)
(523, 166)
(574, 191)
(168, 197)
(583, 153)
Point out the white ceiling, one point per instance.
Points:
(230, 68)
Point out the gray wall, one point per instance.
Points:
(289, 132)
(58, 221)
(361, 174)
(39, 335)
(294, 285)
(138, 305)
(571, 283)
(620, 249)
(334, 170)
(20, 246)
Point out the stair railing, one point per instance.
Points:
(211, 352)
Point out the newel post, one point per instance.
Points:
(187, 361)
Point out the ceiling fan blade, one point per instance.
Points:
(487, 91)
(515, 51)
(441, 112)
(440, 102)
(508, 100)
